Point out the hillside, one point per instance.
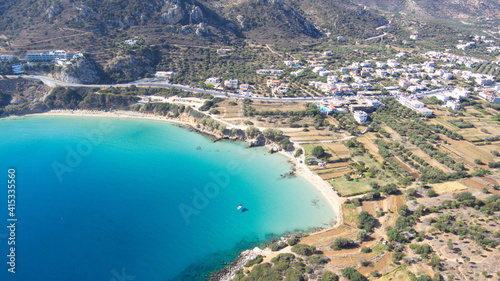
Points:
(430, 9)
(31, 25)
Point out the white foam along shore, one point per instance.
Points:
(301, 169)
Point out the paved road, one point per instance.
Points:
(53, 82)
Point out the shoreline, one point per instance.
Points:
(300, 169)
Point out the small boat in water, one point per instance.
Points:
(239, 207)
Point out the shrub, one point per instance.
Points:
(374, 273)
(319, 260)
(330, 276)
(389, 189)
(293, 241)
(343, 243)
(366, 250)
(318, 151)
(361, 235)
(303, 250)
(298, 152)
(352, 274)
(254, 261)
(283, 258)
(365, 263)
(397, 256)
(277, 246)
(431, 193)
(423, 249)
(366, 221)
(411, 192)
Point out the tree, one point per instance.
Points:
(252, 132)
(318, 151)
(352, 274)
(366, 221)
(397, 256)
(304, 250)
(343, 243)
(431, 193)
(319, 260)
(286, 144)
(361, 235)
(273, 134)
(423, 249)
(465, 197)
(330, 276)
(404, 211)
(395, 235)
(366, 250)
(435, 262)
(389, 189)
(449, 244)
(412, 192)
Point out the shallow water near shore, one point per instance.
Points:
(130, 199)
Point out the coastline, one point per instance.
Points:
(299, 166)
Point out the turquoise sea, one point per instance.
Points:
(129, 199)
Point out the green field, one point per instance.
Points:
(349, 188)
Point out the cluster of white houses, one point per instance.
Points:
(492, 95)
(232, 84)
(60, 57)
(6, 57)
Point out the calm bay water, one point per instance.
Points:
(122, 199)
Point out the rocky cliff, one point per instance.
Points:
(81, 71)
(22, 96)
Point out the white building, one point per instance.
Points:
(232, 83)
(297, 72)
(490, 96)
(404, 83)
(424, 110)
(360, 116)
(455, 105)
(324, 73)
(215, 81)
(130, 42)
(483, 81)
(6, 57)
(392, 63)
(164, 74)
(292, 63)
(318, 69)
(54, 55)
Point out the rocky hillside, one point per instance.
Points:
(82, 71)
(431, 9)
(22, 95)
(28, 24)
